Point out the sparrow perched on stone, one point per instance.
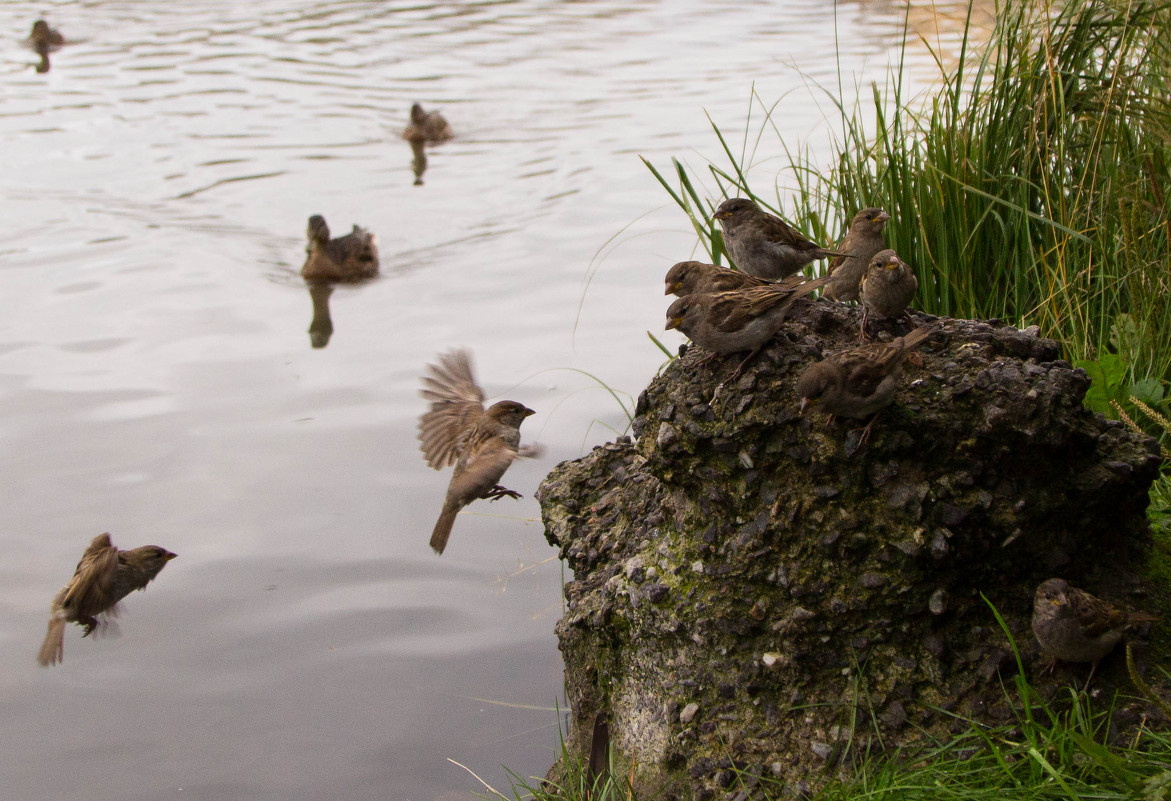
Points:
(700, 278)
(456, 428)
(763, 245)
(861, 242)
(739, 319)
(888, 286)
(103, 577)
(861, 381)
(426, 126)
(352, 257)
(1073, 626)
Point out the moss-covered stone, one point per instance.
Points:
(756, 591)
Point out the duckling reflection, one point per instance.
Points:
(349, 258)
(44, 40)
(427, 126)
(352, 257)
(418, 160)
(321, 326)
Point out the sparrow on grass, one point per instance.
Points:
(104, 576)
(763, 245)
(1073, 626)
(862, 241)
(482, 443)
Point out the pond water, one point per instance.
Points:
(157, 379)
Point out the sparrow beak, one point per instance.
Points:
(170, 556)
(804, 402)
(673, 322)
(529, 412)
(893, 264)
(883, 217)
(671, 288)
(721, 215)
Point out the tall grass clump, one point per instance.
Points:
(1031, 185)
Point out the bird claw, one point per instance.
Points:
(91, 623)
(498, 492)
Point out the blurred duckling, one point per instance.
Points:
(44, 39)
(427, 126)
(352, 257)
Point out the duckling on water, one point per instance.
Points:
(348, 258)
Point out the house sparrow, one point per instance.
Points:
(1073, 626)
(763, 245)
(888, 285)
(739, 319)
(103, 577)
(698, 278)
(862, 241)
(861, 381)
(426, 126)
(456, 428)
(348, 258)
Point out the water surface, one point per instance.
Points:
(157, 379)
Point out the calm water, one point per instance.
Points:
(157, 379)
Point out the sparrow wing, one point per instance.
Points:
(844, 247)
(1095, 616)
(457, 402)
(91, 589)
(863, 369)
(778, 232)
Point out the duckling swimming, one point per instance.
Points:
(44, 39)
(348, 258)
(427, 126)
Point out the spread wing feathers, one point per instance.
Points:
(93, 580)
(733, 310)
(457, 402)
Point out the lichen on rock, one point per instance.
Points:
(756, 593)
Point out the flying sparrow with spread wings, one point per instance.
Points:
(104, 576)
(482, 443)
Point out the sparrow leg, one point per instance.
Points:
(736, 373)
(864, 334)
(866, 431)
(90, 623)
(1090, 678)
(498, 492)
(705, 359)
